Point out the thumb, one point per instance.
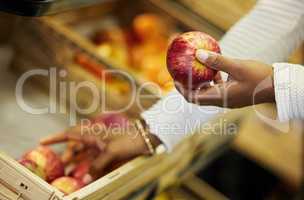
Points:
(218, 62)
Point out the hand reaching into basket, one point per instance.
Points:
(114, 144)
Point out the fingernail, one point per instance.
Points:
(202, 55)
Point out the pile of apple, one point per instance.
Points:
(68, 175)
(140, 46)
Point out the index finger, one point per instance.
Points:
(70, 134)
(54, 139)
(60, 137)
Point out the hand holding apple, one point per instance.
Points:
(250, 82)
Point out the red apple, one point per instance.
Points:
(182, 63)
(115, 120)
(112, 120)
(44, 162)
(67, 184)
(81, 172)
(33, 167)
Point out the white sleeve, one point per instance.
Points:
(269, 33)
(289, 91)
(173, 117)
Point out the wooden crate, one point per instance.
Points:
(17, 181)
(164, 169)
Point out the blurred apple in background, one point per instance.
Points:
(67, 185)
(44, 162)
(140, 47)
(148, 26)
(181, 60)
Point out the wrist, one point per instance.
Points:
(272, 90)
(265, 92)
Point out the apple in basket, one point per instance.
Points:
(33, 167)
(67, 184)
(44, 162)
(182, 63)
(82, 172)
(112, 120)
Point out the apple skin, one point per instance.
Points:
(112, 120)
(44, 162)
(33, 167)
(181, 60)
(115, 120)
(82, 172)
(67, 184)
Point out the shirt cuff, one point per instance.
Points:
(289, 91)
(172, 118)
